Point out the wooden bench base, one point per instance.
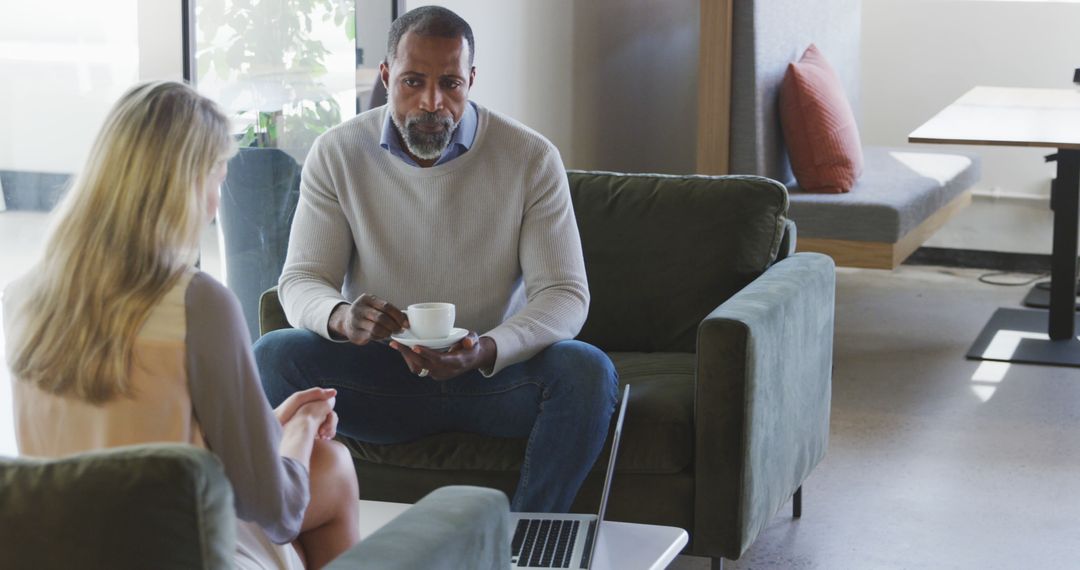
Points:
(882, 255)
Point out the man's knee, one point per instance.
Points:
(272, 347)
(276, 354)
(590, 372)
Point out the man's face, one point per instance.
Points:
(428, 86)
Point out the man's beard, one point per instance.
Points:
(425, 145)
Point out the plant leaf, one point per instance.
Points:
(350, 27)
(248, 139)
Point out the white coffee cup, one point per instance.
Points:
(431, 320)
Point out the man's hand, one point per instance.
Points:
(300, 400)
(368, 318)
(470, 353)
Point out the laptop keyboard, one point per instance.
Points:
(544, 543)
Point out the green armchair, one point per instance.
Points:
(168, 506)
(726, 335)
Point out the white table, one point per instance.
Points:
(1050, 118)
(621, 546)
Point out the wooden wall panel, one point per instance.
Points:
(714, 87)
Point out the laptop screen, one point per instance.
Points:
(610, 467)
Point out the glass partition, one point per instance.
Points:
(284, 68)
(285, 71)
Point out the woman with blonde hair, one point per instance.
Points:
(114, 338)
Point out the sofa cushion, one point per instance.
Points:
(660, 415)
(659, 422)
(766, 37)
(819, 128)
(696, 240)
(899, 189)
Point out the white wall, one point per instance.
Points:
(635, 85)
(161, 40)
(920, 55)
(612, 83)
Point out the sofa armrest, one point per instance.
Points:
(271, 314)
(762, 397)
(159, 505)
(788, 241)
(452, 527)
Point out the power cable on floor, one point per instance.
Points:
(987, 278)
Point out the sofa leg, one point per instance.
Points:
(718, 563)
(796, 503)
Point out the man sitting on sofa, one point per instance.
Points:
(435, 198)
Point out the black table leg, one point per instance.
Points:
(1065, 202)
(1020, 335)
(1039, 296)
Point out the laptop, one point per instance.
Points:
(560, 540)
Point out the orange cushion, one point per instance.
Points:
(819, 127)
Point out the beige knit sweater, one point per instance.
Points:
(492, 231)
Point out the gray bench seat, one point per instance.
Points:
(903, 196)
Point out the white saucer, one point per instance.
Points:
(443, 343)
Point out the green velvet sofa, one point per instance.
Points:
(726, 336)
(168, 506)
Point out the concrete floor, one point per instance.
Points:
(934, 461)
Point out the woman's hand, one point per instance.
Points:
(309, 415)
(321, 415)
(299, 400)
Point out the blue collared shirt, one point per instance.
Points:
(460, 141)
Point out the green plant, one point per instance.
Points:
(267, 46)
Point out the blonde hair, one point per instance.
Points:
(125, 233)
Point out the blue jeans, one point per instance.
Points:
(561, 400)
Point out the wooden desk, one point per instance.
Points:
(1005, 116)
(621, 546)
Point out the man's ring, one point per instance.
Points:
(423, 372)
